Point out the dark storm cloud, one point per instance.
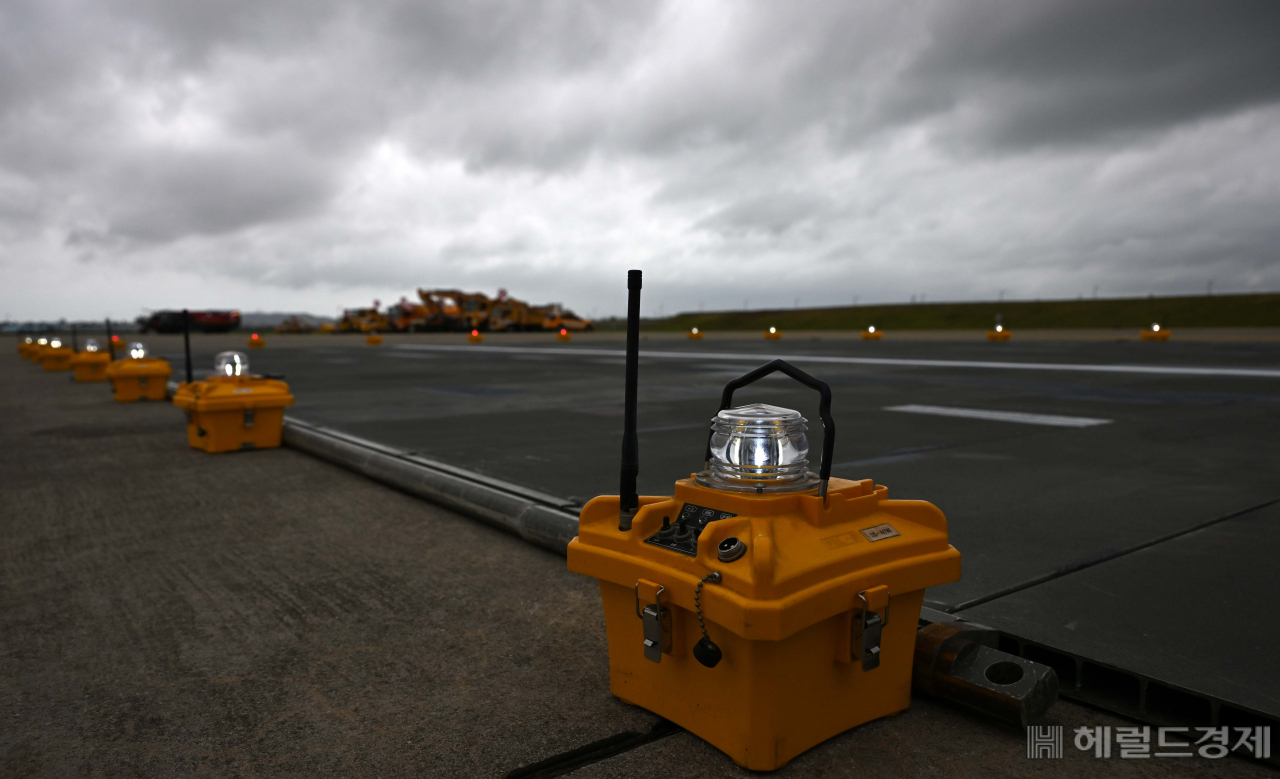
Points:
(312, 142)
(1077, 72)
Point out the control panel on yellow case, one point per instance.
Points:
(682, 535)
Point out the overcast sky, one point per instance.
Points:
(304, 155)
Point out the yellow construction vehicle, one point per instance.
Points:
(362, 320)
(475, 307)
(407, 316)
(444, 311)
(512, 315)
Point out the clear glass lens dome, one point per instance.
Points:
(91, 345)
(758, 448)
(43, 341)
(231, 364)
(28, 340)
(56, 343)
(137, 351)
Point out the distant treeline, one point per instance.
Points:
(1259, 310)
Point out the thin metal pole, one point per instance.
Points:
(111, 347)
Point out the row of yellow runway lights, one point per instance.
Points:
(997, 333)
(872, 333)
(232, 410)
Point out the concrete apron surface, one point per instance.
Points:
(164, 612)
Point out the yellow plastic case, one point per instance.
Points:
(228, 414)
(1155, 335)
(373, 339)
(788, 614)
(139, 379)
(90, 366)
(872, 335)
(57, 359)
(998, 335)
(772, 335)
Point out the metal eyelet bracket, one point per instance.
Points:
(872, 625)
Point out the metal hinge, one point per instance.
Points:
(657, 625)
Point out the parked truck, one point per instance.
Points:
(557, 317)
(170, 321)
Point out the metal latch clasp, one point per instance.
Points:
(248, 417)
(872, 624)
(657, 625)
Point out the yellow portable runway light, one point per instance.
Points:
(256, 341)
(36, 353)
(761, 607)
(772, 334)
(695, 334)
(373, 339)
(999, 332)
(233, 410)
(57, 355)
(90, 364)
(25, 347)
(872, 333)
(1155, 333)
(475, 337)
(563, 335)
(139, 377)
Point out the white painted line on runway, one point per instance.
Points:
(1002, 416)
(1165, 370)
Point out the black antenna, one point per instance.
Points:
(75, 346)
(186, 340)
(628, 500)
(111, 347)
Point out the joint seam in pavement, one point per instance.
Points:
(1098, 559)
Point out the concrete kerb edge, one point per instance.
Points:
(545, 526)
(538, 518)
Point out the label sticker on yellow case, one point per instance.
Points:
(880, 532)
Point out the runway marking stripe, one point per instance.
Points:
(1167, 370)
(1002, 416)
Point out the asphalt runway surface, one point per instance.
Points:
(164, 612)
(1151, 439)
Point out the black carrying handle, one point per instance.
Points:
(824, 409)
